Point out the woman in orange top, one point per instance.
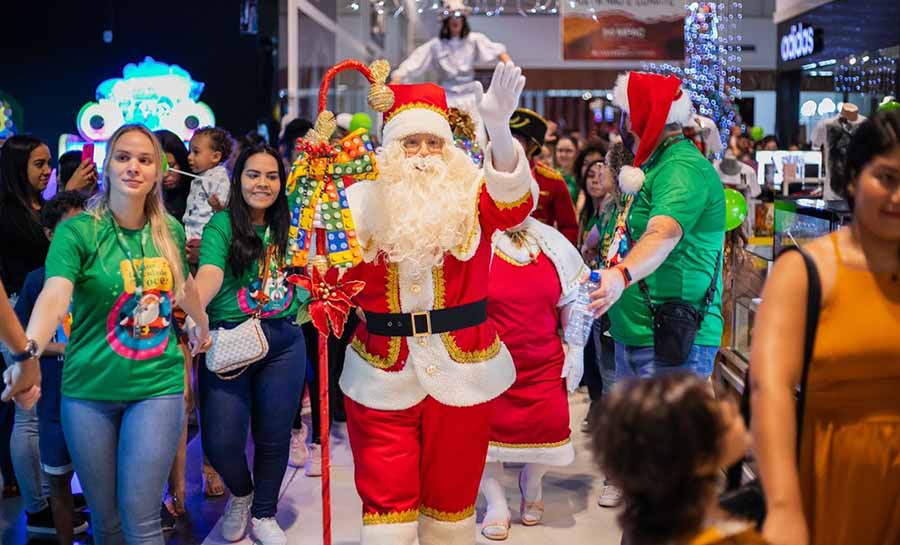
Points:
(847, 488)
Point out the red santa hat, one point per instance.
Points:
(652, 102)
(418, 108)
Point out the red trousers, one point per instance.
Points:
(425, 460)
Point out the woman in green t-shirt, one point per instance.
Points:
(122, 267)
(242, 272)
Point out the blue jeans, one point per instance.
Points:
(26, 460)
(265, 400)
(605, 359)
(122, 453)
(640, 361)
(55, 459)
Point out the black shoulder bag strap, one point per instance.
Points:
(747, 500)
(813, 307)
(707, 299)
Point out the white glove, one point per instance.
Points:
(573, 367)
(496, 107)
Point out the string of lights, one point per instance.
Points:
(712, 61)
(489, 8)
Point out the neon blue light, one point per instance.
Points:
(152, 93)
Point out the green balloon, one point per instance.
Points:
(888, 106)
(360, 120)
(756, 133)
(735, 209)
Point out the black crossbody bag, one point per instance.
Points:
(676, 323)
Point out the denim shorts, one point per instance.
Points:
(55, 459)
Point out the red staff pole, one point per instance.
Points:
(324, 419)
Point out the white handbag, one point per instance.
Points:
(235, 349)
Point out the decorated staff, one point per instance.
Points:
(320, 216)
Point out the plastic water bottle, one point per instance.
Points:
(581, 318)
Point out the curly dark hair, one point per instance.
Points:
(61, 204)
(220, 140)
(877, 135)
(653, 438)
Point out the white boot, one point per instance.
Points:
(438, 532)
(404, 533)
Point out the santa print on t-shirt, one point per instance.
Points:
(277, 290)
(141, 333)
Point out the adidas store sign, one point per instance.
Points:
(799, 42)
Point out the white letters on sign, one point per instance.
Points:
(797, 43)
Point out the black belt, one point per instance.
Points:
(421, 324)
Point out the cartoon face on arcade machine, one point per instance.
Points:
(151, 93)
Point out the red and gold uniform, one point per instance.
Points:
(535, 273)
(417, 406)
(555, 206)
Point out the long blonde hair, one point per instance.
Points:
(154, 208)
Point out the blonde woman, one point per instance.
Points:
(122, 267)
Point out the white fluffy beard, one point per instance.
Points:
(425, 205)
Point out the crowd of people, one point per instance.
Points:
(115, 289)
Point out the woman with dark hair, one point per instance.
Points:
(24, 174)
(594, 150)
(846, 487)
(175, 186)
(666, 439)
(242, 273)
(453, 55)
(602, 193)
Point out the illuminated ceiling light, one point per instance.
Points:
(826, 107)
(852, 61)
(808, 109)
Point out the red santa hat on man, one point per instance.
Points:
(419, 108)
(652, 102)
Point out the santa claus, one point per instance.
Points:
(420, 370)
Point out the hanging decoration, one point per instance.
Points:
(320, 216)
(869, 73)
(489, 8)
(712, 65)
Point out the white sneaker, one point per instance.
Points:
(314, 462)
(237, 514)
(268, 532)
(611, 495)
(299, 452)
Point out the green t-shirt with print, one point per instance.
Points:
(681, 184)
(237, 298)
(120, 348)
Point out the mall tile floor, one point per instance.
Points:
(572, 516)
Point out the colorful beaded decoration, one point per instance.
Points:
(317, 180)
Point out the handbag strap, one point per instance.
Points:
(813, 308)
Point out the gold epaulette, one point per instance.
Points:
(547, 172)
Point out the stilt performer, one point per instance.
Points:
(321, 219)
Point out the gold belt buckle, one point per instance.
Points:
(416, 332)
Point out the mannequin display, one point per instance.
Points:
(453, 55)
(832, 135)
